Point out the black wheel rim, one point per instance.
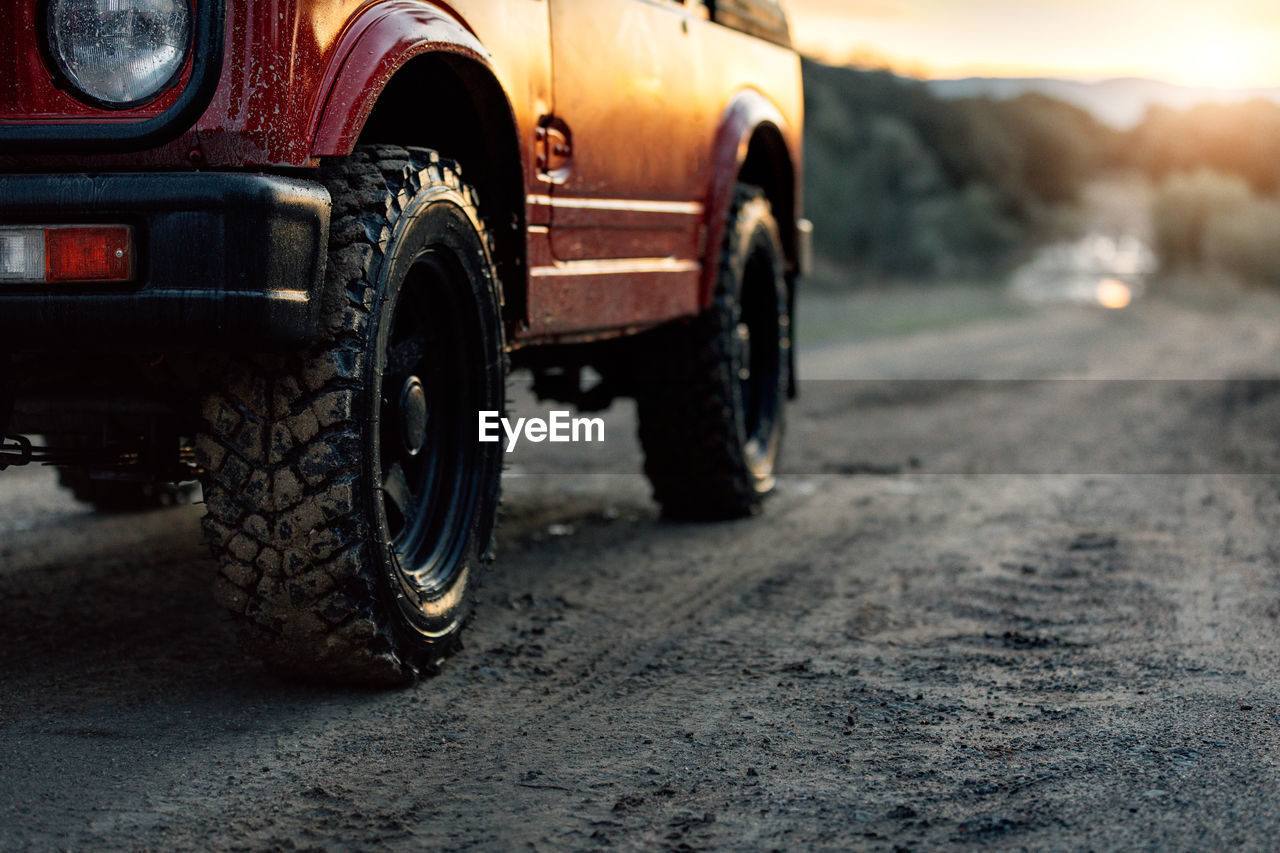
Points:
(758, 358)
(429, 466)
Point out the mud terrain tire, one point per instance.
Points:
(350, 505)
(711, 417)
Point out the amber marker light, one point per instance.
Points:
(35, 254)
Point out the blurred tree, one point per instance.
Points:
(901, 183)
(1241, 139)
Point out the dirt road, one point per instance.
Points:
(1025, 604)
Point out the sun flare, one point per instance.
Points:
(1113, 293)
(1212, 43)
(1220, 63)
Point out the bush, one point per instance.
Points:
(1205, 220)
(1246, 242)
(1184, 206)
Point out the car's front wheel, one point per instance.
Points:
(350, 503)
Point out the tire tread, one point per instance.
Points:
(284, 515)
(693, 454)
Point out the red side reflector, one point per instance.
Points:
(88, 253)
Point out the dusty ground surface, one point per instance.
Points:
(1039, 613)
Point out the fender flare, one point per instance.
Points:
(393, 32)
(747, 112)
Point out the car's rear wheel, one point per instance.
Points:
(350, 502)
(711, 413)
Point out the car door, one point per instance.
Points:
(623, 159)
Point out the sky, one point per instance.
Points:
(1219, 43)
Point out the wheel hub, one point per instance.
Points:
(413, 416)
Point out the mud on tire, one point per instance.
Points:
(711, 414)
(350, 505)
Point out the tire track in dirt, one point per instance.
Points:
(921, 660)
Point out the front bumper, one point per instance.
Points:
(224, 262)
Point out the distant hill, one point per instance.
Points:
(1121, 103)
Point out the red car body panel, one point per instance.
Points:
(649, 108)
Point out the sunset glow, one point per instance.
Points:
(1230, 43)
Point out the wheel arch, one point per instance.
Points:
(424, 49)
(752, 146)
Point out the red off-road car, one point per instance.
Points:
(291, 248)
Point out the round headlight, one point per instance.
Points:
(120, 53)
